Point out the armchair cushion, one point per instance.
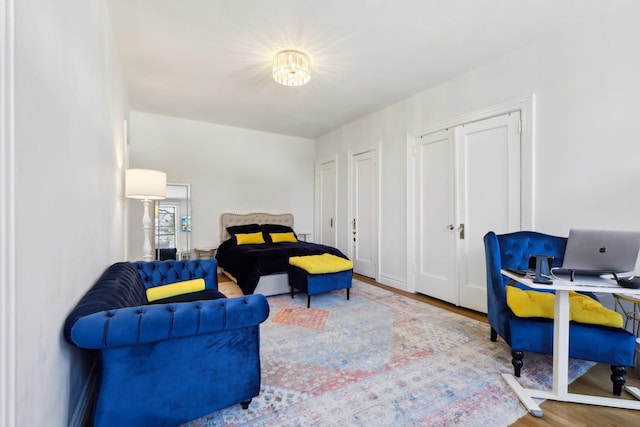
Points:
(541, 304)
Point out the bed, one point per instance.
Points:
(261, 267)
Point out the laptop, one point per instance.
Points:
(595, 252)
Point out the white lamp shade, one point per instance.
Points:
(145, 184)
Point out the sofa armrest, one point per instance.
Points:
(149, 323)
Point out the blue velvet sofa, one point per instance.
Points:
(166, 364)
(613, 346)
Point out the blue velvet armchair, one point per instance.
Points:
(166, 364)
(614, 346)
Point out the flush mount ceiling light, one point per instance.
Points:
(291, 67)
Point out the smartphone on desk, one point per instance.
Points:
(516, 271)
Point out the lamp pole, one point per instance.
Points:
(146, 226)
(146, 185)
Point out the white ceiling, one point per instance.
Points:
(210, 60)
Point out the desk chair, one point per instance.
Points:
(603, 344)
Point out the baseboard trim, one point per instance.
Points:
(82, 412)
(393, 281)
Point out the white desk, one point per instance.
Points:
(561, 347)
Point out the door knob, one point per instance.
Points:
(450, 227)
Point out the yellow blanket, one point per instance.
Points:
(541, 304)
(319, 264)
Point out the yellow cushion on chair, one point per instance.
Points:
(582, 308)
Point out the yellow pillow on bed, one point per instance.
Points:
(250, 238)
(173, 289)
(283, 237)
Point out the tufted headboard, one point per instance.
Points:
(231, 219)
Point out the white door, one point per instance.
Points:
(364, 223)
(434, 217)
(466, 183)
(326, 191)
(488, 166)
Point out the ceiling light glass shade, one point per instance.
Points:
(291, 68)
(145, 184)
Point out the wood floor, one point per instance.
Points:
(595, 382)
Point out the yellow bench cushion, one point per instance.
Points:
(582, 309)
(319, 264)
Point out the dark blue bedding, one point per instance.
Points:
(248, 262)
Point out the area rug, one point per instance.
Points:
(381, 359)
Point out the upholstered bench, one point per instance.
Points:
(316, 274)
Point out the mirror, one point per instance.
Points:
(173, 223)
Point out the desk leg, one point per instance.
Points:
(523, 395)
(634, 391)
(561, 344)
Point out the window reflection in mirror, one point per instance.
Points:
(173, 223)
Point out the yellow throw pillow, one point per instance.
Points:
(582, 309)
(283, 237)
(173, 289)
(250, 238)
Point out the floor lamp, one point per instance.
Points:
(146, 185)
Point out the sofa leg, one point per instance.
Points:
(348, 294)
(517, 362)
(308, 301)
(494, 335)
(617, 377)
(245, 405)
(291, 292)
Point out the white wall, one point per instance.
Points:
(588, 99)
(229, 169)
(70, 106)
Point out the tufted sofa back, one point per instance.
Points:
(158, 273)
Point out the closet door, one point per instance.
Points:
(326, 203)
(466, 182)
(364, 220)
(434, 216)
(488, 196)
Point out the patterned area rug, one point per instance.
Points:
(381, 359)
